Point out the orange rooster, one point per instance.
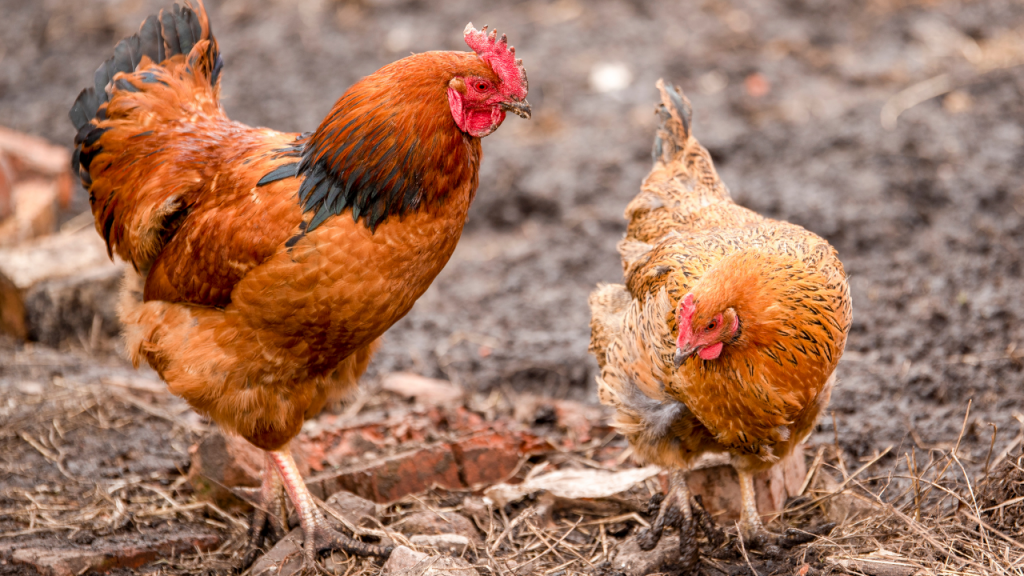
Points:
(269, 264)
(727, 331)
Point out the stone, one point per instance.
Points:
(427, 391)
(631, 560)
(433, 523)
(359, 511)
(285, 558)
(436, 566)
(35, 212)
(455, 544)
(63, 285)
(402, 558)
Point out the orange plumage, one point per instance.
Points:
(269, 264)
(727, 331)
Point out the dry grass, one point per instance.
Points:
(921, 511)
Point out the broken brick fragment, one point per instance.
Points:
(391, 478)
(125, 552)
(487, 458)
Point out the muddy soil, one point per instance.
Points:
(788, 95)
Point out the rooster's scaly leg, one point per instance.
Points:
(317, 533)
(269, 515)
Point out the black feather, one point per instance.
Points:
(149, 39)
(185, 39)
(318, 219)
(293, 240)
(169, 31)
(81, 111)
(123, 84)
(280, 173)
(122, 59)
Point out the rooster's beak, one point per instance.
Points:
(521, 109)
(682, 354)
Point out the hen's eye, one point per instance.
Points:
(712, 325)
(481, 86)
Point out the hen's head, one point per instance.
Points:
(704, 330)
(734, 305)
(479, 101)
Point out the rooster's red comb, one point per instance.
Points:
(501, 57)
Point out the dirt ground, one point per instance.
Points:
(790, 96)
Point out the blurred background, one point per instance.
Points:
(893, 128)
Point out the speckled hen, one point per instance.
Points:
(266, 265)
(726, 333)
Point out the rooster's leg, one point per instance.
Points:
(317, 533)
(675, 511)
(269, 515)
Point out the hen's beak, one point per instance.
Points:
(521, 109)
(682, 354)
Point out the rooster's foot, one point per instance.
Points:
(318, 535)
(269, 519)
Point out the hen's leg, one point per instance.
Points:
(269, 516)
(753, 531)
(751, 528)
(317, 534)
(675, 511)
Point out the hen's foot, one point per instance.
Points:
(714, 534)
(765, 540)
(755, 535)
(318, 535)
(269, 516)
(675, 511)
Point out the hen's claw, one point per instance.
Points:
(674, 511)
(714, 534)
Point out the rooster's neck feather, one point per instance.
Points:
(389, 146)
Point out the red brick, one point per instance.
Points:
(223, 461)
(487, 458)
(391, 478)
(133, 552)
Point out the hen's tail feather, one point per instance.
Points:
(674, 133)
(160, 37)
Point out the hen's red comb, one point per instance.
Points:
(501, 57)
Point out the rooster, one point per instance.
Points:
(726, 333)
(266, 265)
